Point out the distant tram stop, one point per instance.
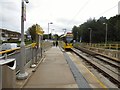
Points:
(7, 73)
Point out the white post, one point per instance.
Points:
(90, 42)
(48, 31)
(106, 31)
(48, 28)
(22, 74)
(106, 35)
(90, 36)
(0, 77)
(118, 7)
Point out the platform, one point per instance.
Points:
(53, 72)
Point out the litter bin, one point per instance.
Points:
(7, 73)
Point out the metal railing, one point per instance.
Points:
(107, 46)
(111, 50)
(33, 54)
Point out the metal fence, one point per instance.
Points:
(33, 54)
(105, 46)
(115, 53)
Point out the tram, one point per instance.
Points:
(67, 41)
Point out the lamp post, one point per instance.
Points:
(48, 28)
(52, 30)
(64, 30)
(77, 36)
(51, 33)
(22, 74)
(119, 8)
(90, 36)
(106, 33)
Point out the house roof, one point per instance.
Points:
(9, 31)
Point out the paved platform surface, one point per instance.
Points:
(53, 72)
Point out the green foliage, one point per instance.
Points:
(11, 41)
(32, 32)
(27, 42)
(56, 37)
(98, 30)
(45, 36)
(0, 41)
(75, 32)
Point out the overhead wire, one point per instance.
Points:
(80, 10)
(96, 15)
(106, 11)
(84, 6)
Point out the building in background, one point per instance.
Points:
(6, 35)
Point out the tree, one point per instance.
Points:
(34, 31)
(45, 36)
(56, 37)
(99, 30)
(75, 31)
(114, 28)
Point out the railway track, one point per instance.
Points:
(108, 67)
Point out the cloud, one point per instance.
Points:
(10, 15)
(67, 22)
(63, 13)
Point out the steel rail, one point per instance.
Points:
(114, 77)
(111, 61)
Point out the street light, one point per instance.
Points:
(119, 8)
(77, 36)
(48, 28)
(52, 32)
(90, 36)
(64, 30)
(22, 74)
(106, 33)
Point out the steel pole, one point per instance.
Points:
(119, 8)
(106, 34)
(48, 31)
(77, 36)
(90, 36)
(64, 30)
(22, 74)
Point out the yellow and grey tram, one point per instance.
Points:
(67, 41)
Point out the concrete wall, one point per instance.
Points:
(108, 52)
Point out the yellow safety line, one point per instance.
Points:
(93, 76)
(96, 78)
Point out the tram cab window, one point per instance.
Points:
(69, 39)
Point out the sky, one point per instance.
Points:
(64, 14)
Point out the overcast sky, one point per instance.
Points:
(63, 13)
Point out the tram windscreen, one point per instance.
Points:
(69, 39)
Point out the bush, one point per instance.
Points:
(11, 41)
(0, 41)
(18, 42)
